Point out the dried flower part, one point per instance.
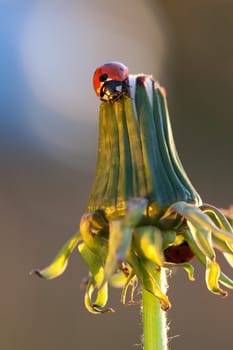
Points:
(143, 214)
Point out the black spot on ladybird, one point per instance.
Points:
(103, 77)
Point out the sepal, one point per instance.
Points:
(59, 264)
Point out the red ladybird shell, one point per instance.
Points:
(109, 71)
(179, 254)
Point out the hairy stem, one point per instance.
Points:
(154, 318)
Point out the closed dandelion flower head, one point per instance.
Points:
(143, 214)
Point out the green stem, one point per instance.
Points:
(154, 318)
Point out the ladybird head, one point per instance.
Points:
(108, 80)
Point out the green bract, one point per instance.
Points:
(143, 214)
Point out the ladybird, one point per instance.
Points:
(178, 254)
(110, 81)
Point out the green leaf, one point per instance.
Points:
(222, 278)
(95, 265)
(221, 245)
(202, 237)
(194, 247)
(146, 274)
(221, 221)
(212, 277)
(97, 306)
(134, 211)
(59, 264)
(148, 241)
(119, 241)
(88, 229)
(118, 280)
(229, 258)
(199, 218)
(169, 236)
(225, 280)
(216, 215)
(120, 234)
(186, 266)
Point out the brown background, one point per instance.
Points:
(43, 189)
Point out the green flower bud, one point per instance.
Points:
(143, 214)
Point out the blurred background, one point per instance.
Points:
(48, 144)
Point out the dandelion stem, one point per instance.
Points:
(154, 318)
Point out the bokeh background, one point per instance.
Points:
(48, 143)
